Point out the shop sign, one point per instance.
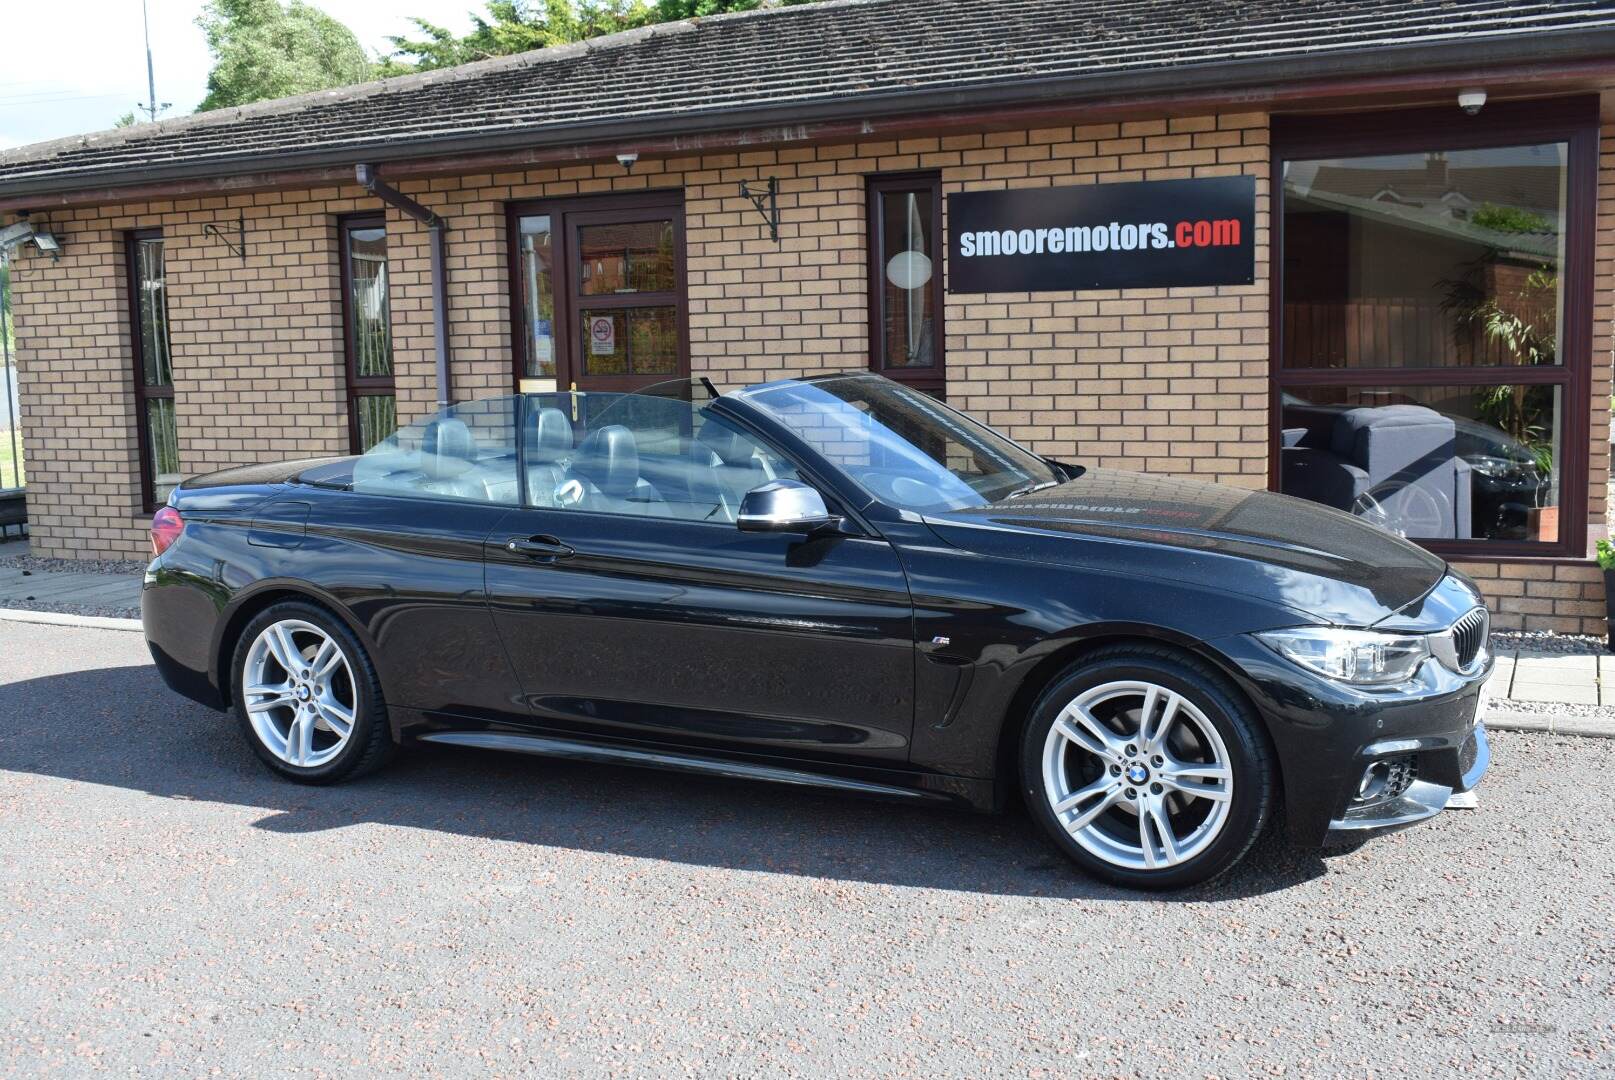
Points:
(1153, 234)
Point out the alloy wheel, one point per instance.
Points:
(1137, 775)
(299, 691)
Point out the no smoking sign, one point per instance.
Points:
(602, 335)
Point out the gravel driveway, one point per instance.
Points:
(168, 908)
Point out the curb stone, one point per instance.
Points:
(58, 618)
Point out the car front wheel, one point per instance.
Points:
(1146, 768)
(308, 697)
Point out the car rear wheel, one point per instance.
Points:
(1147, 769)
(308, 697)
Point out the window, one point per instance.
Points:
(153, 368)
(641, 455)
(465, 452)
(372, 393)
(1433, 346)
(599, 292)
(905, 279)
(900, 445)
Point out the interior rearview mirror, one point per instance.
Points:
(784, 506)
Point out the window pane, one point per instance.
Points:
(1429, 462)
(906, 319)
(538, 292)
(903, 447)
(630, 341)
(367, 303)
(641, 455)
(463, 452)
(1442, 259)
(163, 445)
(378, 418)
(635, 256)
(152, 306)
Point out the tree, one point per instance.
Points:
(517, 26)
(266, 49)
(5, 306)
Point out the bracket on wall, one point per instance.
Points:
(766, 200)
(238, 247)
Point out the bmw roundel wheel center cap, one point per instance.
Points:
(1137, 773)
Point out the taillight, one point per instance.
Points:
(165, 529)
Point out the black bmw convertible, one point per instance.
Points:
(839, 582)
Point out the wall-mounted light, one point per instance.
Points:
(26, 232)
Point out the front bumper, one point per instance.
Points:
(1423, 799)
(1326, 735)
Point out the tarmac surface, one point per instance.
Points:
(169, 908)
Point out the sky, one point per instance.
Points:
(75, 67)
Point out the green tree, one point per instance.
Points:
(266, 49)
(5, 306)
(517, 26)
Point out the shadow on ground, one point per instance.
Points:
(120, 726)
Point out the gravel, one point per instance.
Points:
(172, 909)
(1546, 641)
(34, 564)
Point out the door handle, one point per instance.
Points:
(539, 547)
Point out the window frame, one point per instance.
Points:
(933, 379)
(358, 386)
(567, 215)
(142, 392)
(1572, 121)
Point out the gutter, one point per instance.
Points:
(370, 177)
(1252, 81)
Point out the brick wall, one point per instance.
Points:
(1169, 381)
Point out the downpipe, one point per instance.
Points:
(437, 227)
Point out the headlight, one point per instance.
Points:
(1360, 657)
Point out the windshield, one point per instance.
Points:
(904, 447)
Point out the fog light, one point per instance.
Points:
(1373, 782)
(1387, 778)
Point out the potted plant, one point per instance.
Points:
(1606, 563)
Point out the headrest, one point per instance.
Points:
(447, 448)
(609, 459)
(732, 448)
(549, 436)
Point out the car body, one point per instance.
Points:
(879, 597)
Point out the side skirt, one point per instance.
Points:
(548, 746)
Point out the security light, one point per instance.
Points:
(26, 232)
(14, 235)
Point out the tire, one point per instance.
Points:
(1104, 791)
(285, 705)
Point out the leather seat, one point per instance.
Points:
(448, 457)
(549, 443)
(737, 467)
(606, 470)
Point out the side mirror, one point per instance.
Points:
(784, 506)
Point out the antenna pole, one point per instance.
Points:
(151, 76)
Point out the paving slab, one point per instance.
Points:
(1558, 693)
